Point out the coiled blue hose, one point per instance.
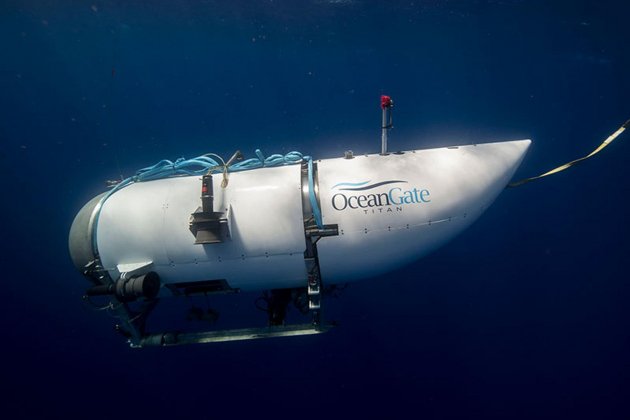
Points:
(204, 164)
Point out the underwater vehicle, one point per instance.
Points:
(286, 225)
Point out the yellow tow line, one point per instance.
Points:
(561, 168)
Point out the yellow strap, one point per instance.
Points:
(573, 162)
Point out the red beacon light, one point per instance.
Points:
(386, 102)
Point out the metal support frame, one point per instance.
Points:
(176, 338)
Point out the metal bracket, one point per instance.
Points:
(312, 234)
(133, 269)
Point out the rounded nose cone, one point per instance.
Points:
(80, 239)
(520, 149)
(499, 161)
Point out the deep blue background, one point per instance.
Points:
(524, 315)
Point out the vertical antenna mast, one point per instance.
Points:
(386, 105)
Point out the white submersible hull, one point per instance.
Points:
(287, 227)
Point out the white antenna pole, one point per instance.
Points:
(386, 105)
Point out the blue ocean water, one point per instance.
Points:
(525, 315)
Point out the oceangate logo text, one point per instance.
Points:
(352, 196)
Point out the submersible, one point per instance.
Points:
(288, 225)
